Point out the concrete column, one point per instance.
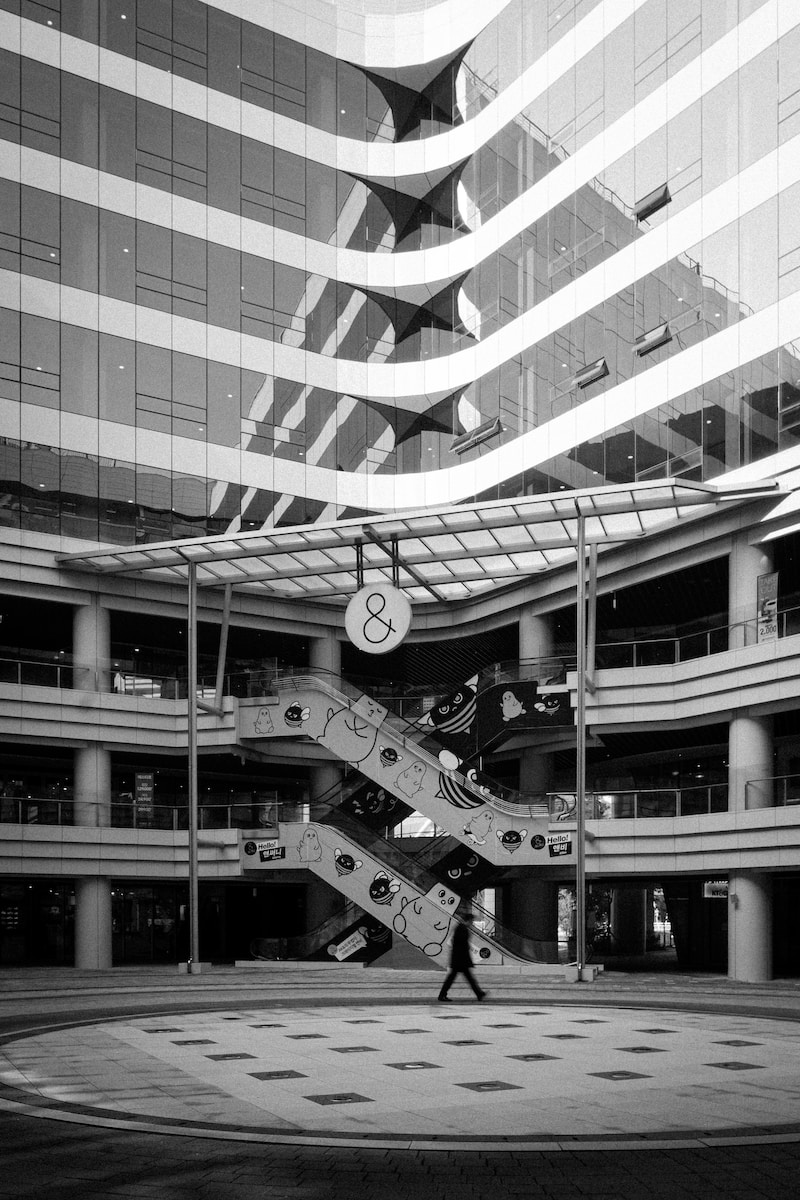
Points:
(629, 919)
(535, 771)
(92, 786)
(322, 901)
(93, 924)
(91, 647)
(749, 926)
(530, 908)
(325, 654)
(750, 760)
(535, 635)
(322, 778)
(745, 564)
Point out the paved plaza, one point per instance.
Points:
(356, 1082)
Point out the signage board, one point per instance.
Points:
(144, 796)
(377, 618)
(767, 607)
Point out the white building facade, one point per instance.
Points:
(266, 266)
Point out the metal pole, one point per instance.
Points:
(191, 719)
(580, 756)
(223, 646)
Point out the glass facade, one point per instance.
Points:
(242, 280)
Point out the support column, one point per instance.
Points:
(92, 786)
(535, 635)
(629, 919)
(322, 901)
(749, 926)
(92, 924)
(325, 654)
(91, 647)
(535, 642)
(745, 564)
(530, 908)
(750, 763)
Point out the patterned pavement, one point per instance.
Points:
(471, 1076)
(96, 1104)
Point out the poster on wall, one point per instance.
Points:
(144, 797)
(767, 607)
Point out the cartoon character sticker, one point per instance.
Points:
(345, 863)
(389, 756)
(443, 897)
(409, 781)
(511, 839)
(296, 715)
(415, 924)
(264, 722)
(352, 732)
(479, 828)
(309, 848)
(549, 705)
(456, 712)
(456, 793)
(383, 888)
(512, 707)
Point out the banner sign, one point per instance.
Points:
(471, 720)
(261, 850)
(144, 796)
(767, 601)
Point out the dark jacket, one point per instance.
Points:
(460, 956)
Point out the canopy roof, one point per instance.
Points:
(445, 554)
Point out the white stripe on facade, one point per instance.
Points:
(724, 352)
(406, 384)
(432, 266)
(379, 159)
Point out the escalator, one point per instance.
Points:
(396, 890)
(497, 824)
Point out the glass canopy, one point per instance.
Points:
(446, 554)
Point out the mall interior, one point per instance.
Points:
(302, 298)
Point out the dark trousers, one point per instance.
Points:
(450, 979)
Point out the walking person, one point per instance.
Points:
(461, 960)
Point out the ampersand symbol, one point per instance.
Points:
(386, 627)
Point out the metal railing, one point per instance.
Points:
(407, 701)
(777, 791)
(643, 803)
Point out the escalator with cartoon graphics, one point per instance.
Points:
(393, 890)
(489, 821)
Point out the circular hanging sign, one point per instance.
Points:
(377, 618)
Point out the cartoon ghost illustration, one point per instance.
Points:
(309, 848)
(441, 895)
(512, 707)
(349, 734)
(420, 927)
(409, 781)
(345, 863)
(456, 712)
(383, 888)
(511, 839)
(296, 714)
(264, 721)
(389, 756)
(479, 828)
